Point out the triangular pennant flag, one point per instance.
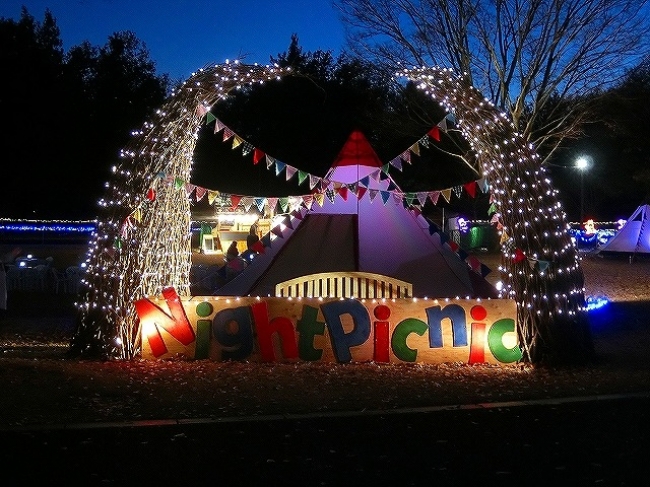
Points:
(443, 237)
(279, 167)
(269, 161)
(384, 196)
(137, 215)
(434, 133)
(458, 191)
(519, 255)
(385, 168)
(257, 155)
(178, 183)
(452, 245)
(236, 141)
(360, 192)
(189, 188)
(302, 175)
(308, 200)
(209, 118)
(433, 196)
(483, 185)
(266, 240)
(451, 117)
(234, 200)
(471, 188)
(492, 209)
(320, 199)
(272, 203)
(397, 163)
(227, 133)
(246, 148)
(446, 194)
(410, 198)
(201, 109)
(161, 175)
(247, 202)
(373, 193)
(415, 149)
(422, 197)
(212, 195)
(151, 194)
(406, 156)
(218, 126)
(331, 194)
(531, 263)
(365, 181)
(474, 263)
(424, 142)
(290, 171)
(284, 204)
(313, 181)
(543, 265)
(200, 193)
(260, 203)
(443, 125)
(343, 192)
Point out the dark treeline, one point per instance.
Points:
(67, 114)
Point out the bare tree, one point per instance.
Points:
(524, 55)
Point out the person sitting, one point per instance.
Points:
(232, 252)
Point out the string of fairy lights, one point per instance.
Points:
(532, 223)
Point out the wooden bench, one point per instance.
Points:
(344, 285)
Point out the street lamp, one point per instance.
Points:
(582, 164)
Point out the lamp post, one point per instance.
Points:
(582, 164)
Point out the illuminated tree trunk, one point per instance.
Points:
(541, 265)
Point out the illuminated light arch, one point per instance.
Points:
(541, 265)
(142, 243)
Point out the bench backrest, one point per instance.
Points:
(344, 285)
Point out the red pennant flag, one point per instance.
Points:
(471, 188)
(257, 155)
(434, 133)
(151, 194)
(258, 247)
(234, 200)
(519, 255)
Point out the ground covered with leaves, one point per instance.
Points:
(42, 387)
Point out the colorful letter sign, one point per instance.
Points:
(329, 329)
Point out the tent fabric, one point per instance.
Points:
(634, 237)
(361, 234)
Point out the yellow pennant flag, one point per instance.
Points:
(446, 194)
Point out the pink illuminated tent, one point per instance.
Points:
(363, 226)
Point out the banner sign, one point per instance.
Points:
(328, 329)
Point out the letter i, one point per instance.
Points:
(477, 343)
(382, 313)
(203, 331)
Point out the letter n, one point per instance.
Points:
(152, 317)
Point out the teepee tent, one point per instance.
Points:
(634, 237)
(361, 226)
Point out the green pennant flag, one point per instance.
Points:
(302, 175)
(209, 118)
